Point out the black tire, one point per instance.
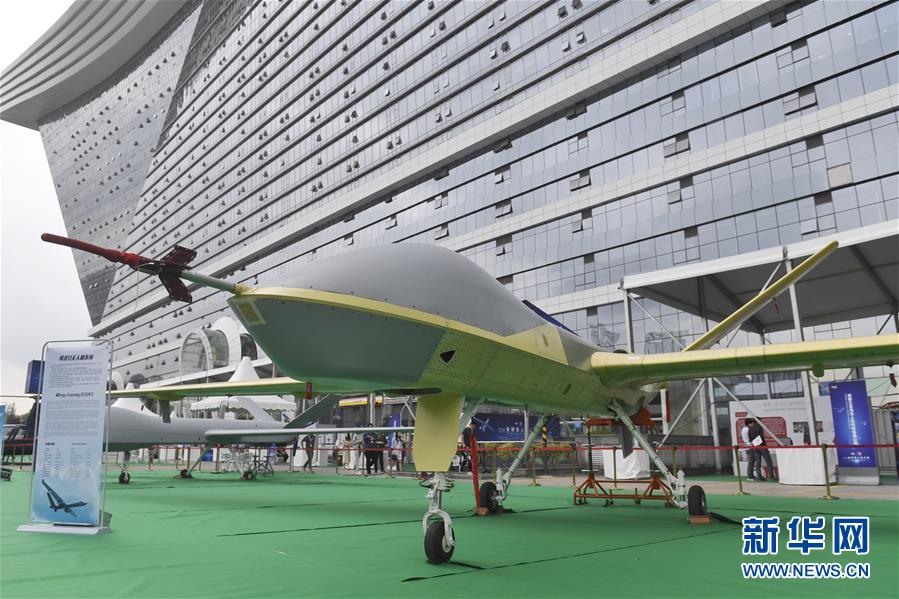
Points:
(185, 474)
(696, 505)
(124, 478)
(435, 549)
(487, 494)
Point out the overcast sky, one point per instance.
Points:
(40, 296)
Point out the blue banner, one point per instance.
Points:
(852, 424)
(493, 428)
(2, 424)
(392, 420)
(33, 377)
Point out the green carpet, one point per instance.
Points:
(326, 536)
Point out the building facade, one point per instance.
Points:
(561, 146)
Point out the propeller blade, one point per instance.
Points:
(132, 260)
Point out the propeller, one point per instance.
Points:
(169, 268)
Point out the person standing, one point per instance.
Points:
(399, 445)
(309, 448)
(381, 445)
(744, 437)
(345, 447)
(368, 446)
(356, 454)
(759, 450)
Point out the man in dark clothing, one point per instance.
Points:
(381, 445)
(309, 448)
(759, 451)
(368, 444)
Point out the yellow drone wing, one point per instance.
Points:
(628, 369)
(275, 386)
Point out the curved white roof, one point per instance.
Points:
(88, 44)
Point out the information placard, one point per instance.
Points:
(68, 461)
(853, 424)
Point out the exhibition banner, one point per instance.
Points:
(2, 424)
(503, 428)
(68, 460)
(853, 424)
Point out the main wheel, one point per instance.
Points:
(696, 505)
(437, 547)
(488, 497)
(124, 478)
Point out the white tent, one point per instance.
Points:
(244, 372)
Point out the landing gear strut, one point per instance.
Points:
(493, 494)
(188, 472)
(436, 523)
(675, 482)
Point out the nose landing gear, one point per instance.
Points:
(440, 541)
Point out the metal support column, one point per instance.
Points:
(806, 385)
(767, 376)
(663, 398)
(628, 323)
(713, 412)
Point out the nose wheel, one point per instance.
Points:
(440, 541)
(438, 547)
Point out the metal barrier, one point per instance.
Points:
(565, 458)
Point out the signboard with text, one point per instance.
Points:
(68, 461)
(853, 424)
(493, 428)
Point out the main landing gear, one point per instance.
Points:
(188, 472)
(124, 476)
(671, 481)
(493, 494)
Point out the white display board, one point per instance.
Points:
(67, 488)
(786, 418)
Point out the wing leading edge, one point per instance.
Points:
(634, 370)
(275, 386)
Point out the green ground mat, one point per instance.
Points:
(321, 535)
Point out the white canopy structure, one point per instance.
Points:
(243, 372)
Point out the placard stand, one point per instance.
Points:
(69, 464)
